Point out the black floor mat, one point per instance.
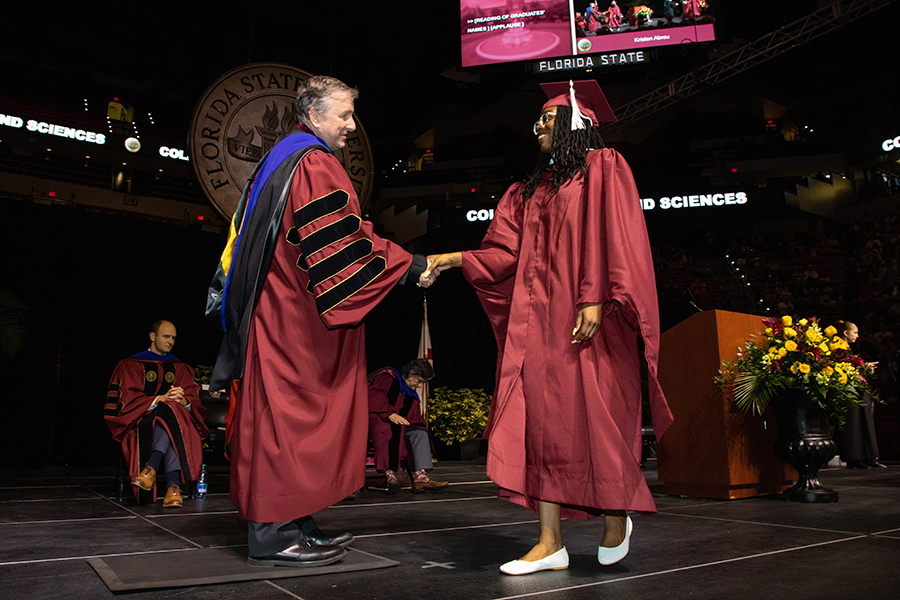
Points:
(204, 566)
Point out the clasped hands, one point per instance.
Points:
(587, 321)
(175, 394)
(436, 264)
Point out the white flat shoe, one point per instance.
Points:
(610, 556)
(557, 561)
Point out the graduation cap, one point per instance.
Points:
(584, 97)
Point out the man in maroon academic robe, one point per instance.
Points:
(154, 411)
(397, 427)
(295, 339)
(593, 17)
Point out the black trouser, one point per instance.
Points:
(264, 539)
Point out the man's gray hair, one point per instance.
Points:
(317, 92)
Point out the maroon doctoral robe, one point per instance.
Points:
(565, 422)
(300, 425)
(134, 385)
(386, 397)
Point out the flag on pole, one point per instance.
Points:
(424, 352)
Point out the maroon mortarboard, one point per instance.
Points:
(588, 99)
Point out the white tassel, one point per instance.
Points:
(577, 116)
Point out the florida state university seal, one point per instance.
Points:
(239, 119)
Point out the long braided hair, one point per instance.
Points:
(570, 149)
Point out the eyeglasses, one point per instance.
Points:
(545, 118)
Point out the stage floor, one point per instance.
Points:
(450, 544)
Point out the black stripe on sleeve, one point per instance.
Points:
(327, 268)
(305, 216)
(350, 286)
(320, 207)
(330, 234)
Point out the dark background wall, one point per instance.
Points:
(96, 282)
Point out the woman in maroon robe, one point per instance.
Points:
(568, 248)
(614, 16)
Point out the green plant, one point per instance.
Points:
(14, 318)
(643, 10)
(797, 355)
(457, 415)
(202, 374)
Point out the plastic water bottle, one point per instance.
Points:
(201, 483)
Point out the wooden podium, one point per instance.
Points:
(713, 450)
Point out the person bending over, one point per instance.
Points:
(397, 427)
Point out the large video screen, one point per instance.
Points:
(500, 31)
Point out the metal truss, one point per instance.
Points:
(815, 24)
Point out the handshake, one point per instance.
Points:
(436, 264)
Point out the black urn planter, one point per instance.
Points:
(804, 441)
(466, 450)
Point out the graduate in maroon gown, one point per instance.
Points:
(614, 16)
(566, 277)
(153, 409)
(306, 271)
(690, 11)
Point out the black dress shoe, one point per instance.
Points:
(321, 538)
(304, 553)
(874, 464)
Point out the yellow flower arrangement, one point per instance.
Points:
(797, 354)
